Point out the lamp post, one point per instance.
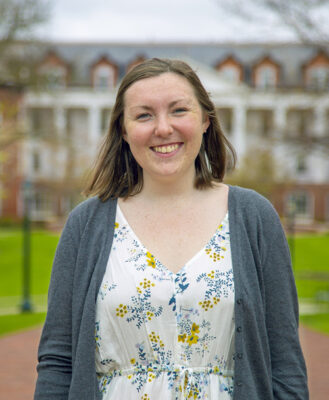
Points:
(26, 305)
(291, 229)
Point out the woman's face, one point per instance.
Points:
(163, 125)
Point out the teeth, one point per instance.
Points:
(165, 149)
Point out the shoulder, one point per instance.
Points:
(253, 208)
(91, 211)
(250, 199)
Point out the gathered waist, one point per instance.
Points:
(157, 369)
(188, 381)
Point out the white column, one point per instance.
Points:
(60, 120)
(239, 129)
(319, 121)
(94, 125)
(280, 121)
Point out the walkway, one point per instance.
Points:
(18, 360)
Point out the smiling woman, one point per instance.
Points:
(116, 173)
(169, 284)
(164, 125)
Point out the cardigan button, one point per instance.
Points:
(240, 356)
(239, 329)
(239, 301)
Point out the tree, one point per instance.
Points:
(308, 19)
(19, 18)
(257, 172)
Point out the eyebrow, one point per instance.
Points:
(171, 104)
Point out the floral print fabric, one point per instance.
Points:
(161, 335)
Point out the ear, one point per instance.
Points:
(206, 123)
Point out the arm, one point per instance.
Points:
(54, 356)
(289, 378)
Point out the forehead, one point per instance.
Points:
(168, 84)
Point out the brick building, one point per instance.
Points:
(274, 96)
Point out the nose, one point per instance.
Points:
(163, 126)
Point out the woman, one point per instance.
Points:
(168, 284)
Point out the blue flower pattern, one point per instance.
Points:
(156, 332)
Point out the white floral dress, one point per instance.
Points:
(161, 335)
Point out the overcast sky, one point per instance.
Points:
(153, 20)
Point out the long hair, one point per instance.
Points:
(116, 172)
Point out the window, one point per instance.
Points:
(300, 204)
(318, 77)
(231, 73)
(301, 165)
(1, 118)
(41, 205)
(260, 122)
(265, 76)
(225, 119)
(105, 120)
(327, 207)
(104, 77)
(41, 121)
(54, 76)
(36, 162)
(300, 123)
(77, 125)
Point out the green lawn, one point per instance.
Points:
(43, 245)
(318, 322)
(311, 270)
(15, 323)
(311, 266)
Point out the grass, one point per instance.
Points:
(311, 253)
(43, 245)
(318, 322)
(311, 267)
(311, 270)
(15, 323)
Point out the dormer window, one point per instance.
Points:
(317, 77)
(138, 60)
(104, 74)
(316, 71)
(104, 77)
(53, 71)
(266, 77)
(266, 73)
(230, 69)
(231, 73)
(54, 76)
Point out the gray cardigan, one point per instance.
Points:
(269, 363)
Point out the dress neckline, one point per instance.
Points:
(190, 261)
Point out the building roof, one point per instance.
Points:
(82, 55)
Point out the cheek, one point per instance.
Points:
(192, 129)
(136, 137)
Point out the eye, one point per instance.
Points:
(143, 116)
(180, 110)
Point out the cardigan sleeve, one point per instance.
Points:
(55, 348)
(289, 378)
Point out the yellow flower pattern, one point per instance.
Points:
(121, 310)
(168, 323)
(150, 260)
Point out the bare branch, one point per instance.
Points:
(18, 18)
(300, 16)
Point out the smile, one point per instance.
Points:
(166, 149)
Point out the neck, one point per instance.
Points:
(168, 189)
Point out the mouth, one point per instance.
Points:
(165, 149)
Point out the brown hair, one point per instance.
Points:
(117, 174)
